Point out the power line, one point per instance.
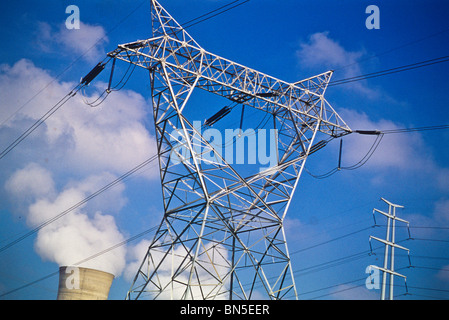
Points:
(418, 227)
(79, 86)
(424, 288)
(426, 296)
(427, 128)
(322, 265)
(375, 145)
(380, 73)
(333, 263)
(146, 232)
(73, 62)
(29, 284)
(331, 240)
(81, 261)
(137, 236)
(431, 268)
(363, 279)
(191, 23)
(40, 121)
(84, 82)
(338, 291)
(436, 240)
(80, 203)
(315, 268)
(333, 286)
(395, 48)
(414, 256)
(355, 166)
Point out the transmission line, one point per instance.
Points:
(192, 22)
(41, 120)
(412, 66)
(355, 166)
(60, 104)
(74, 61)
(79, 86)
(80, 203)
(331, 240)
(405, 130)
(379, 135)
(395, 48)
(122, 243)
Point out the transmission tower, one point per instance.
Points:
(389, 243)
(222, 234)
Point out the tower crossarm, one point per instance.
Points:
(223, 222)
(185, 63)
(388, 271)
(389, 243)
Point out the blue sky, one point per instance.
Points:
(80, 149)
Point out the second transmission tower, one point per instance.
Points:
(390, 243)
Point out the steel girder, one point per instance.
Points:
(222, 234)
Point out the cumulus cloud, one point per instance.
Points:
(112, 137)
(323, 52)
(73, 154)
(399, 151)
(321, 49)
(87, 41)
(79, 233)
(31, 182)
(441, 212)
(134, 256)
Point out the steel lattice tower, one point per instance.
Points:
(389, 242)
(222, 233)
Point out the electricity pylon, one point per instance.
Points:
(389, 243)
(222, 234)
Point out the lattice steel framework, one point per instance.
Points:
(389, 241)
(222, 233)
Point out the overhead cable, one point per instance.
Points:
(191, 23)
(122, 243)
(84, 82)
(380, 73)
(41, 120)
(80, 203)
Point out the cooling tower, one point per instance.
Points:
(76, 283)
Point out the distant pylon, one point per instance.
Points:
(389, 243)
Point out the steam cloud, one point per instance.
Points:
(73, 154)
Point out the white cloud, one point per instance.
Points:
(31, 182)
(397, 151)
(213, 263)
(76, 237)
(443, 274)
(87, 41)
(73, 154)
(18, 84)
(79, 233)
(77, 138)
(352, 292)
(320, 51)
(134, 256)
(441, 212)
(430, 224)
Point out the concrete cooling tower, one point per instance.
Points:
(76, 283)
